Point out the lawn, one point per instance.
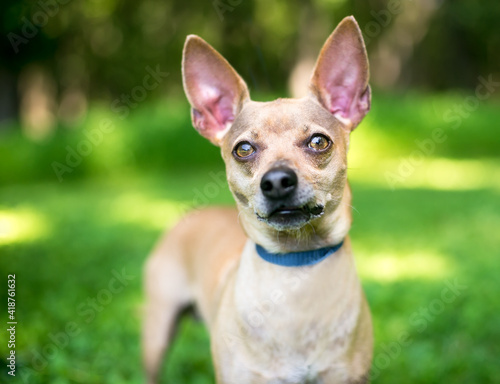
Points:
(425, 235)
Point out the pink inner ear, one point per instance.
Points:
(215, 108)
(342, 93)
(343, 85)
(214, 89)
(339, 101)
(348, 108)
(340, 79)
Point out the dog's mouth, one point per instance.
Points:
(289, 217)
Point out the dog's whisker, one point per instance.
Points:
(353, 207)
(313, 229)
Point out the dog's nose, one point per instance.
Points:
(278, 183)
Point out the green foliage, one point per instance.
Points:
(159, 137)
(66, 241)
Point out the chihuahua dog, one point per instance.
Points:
(274, 279)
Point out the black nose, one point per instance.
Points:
(278, 183)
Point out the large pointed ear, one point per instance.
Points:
(340, 77)
(214, 89)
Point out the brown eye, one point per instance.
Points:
(244, 149)
(319, 142)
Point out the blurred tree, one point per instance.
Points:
(463, 42)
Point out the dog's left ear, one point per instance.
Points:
(340, 77)
(214, 89)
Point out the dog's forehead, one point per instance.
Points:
(281, 116)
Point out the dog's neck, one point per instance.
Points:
(328, 230)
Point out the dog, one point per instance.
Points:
(274, 279)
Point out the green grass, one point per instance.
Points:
(66, 242)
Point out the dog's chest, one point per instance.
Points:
(280, 353)
(294, 348)
(292, 330)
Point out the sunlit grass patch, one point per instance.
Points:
(429, 173)
(21, 225)
(138, 209)
(390, 267)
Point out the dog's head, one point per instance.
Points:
(286, 160)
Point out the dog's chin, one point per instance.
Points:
(291, 217)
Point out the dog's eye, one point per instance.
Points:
(319, 142)
(244, 149)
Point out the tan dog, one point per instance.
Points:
(279, 312)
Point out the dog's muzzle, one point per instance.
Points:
(284, 209)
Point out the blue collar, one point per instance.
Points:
(298, 259)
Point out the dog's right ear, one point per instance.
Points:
(214, 89)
